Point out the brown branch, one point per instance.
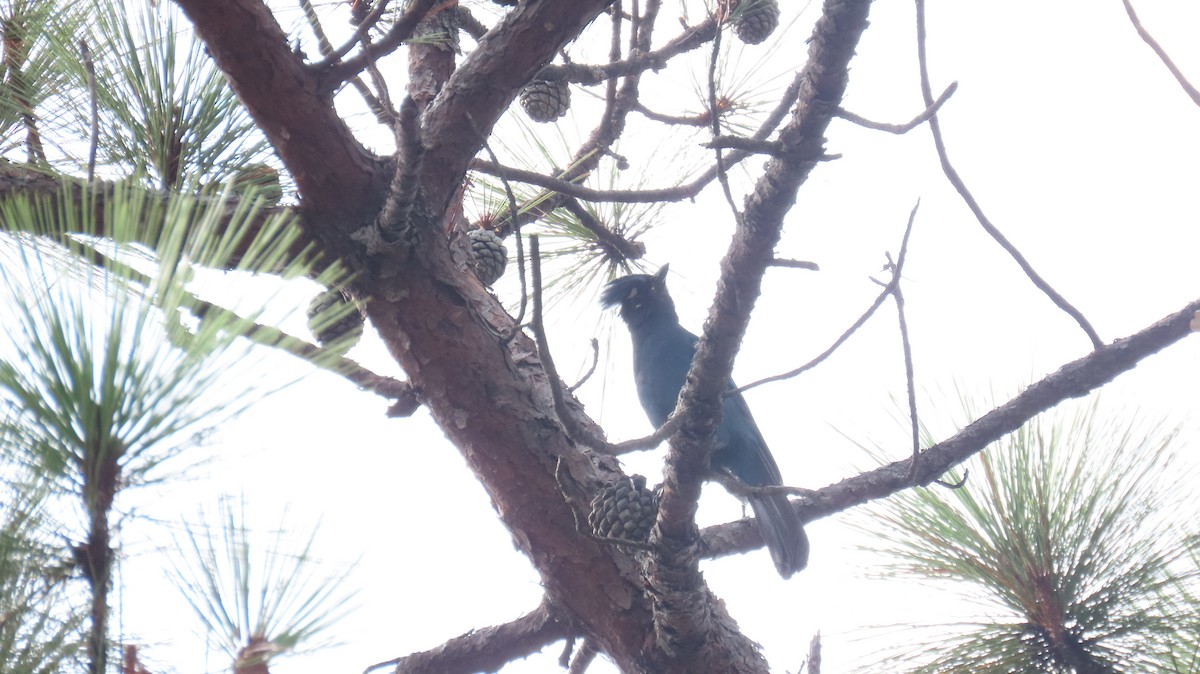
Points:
(1162, 54)
(393, 219)
(692, 38)
(333, 73)
(649, 442)
(486, 649)
(749, 145)
(15, 56)
(584, 658)
(340, 183)
(1073, 380)
(699, 119)
(89, 69)
(591, 370)
(929, 112)
(458, 121)
(616, 247)
(961, 187)
(823, 84)
(676, 193)
(330, 56)
(574, 430)
(795, 264)
(894, 282)
(469, 24)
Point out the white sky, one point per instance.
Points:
(1074, 138)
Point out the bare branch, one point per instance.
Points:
(961, 187)
(331, 55)
(823, 84)
(583, 659)
(691, 38)
(1162, 54)
(1073, 380)
(795, 264)
(616, 246)
(750, 145)
(394, 218)
(909, 377)
(862, 320)
(94, 140)
(700, 119)
(929, 112)
(591, 370)
(486, 649)
(334, 73)
(814, 655)
(574, 430)
(469, 24)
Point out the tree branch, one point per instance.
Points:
(929, 112)
(339, 181)
(487, 649)
(1073, 380)
(1162, 54)
(935, 127)
(823, 84)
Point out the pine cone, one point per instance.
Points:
(334, 320)
(489, 255)
(546, 100)
(624, 510)
(756, 20)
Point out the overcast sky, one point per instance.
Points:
(1075, 140)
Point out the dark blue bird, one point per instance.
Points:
(662, 355)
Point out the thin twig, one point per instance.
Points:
(955, 485)
(699, 119)
(649, 442)
(314, 23)
(735, 486)
(360, 32)
(394, 218)
(571, 426)
(814, 655)
(795, 264)
(583, 659)
(336, 72)
(591, 370)
(90, 68)
(909, 377)
(1162, 54)
(866, 315)
(929, 112)
(976, 209)
(384, 115)
(616, 246)
(512, 208)
(751, 145)
(487, 648)
(715, 126)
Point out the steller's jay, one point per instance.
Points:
(662, 355)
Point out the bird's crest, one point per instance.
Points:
(627, 288)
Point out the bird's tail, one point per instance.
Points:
(783, 532)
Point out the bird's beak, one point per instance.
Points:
(660, 278)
